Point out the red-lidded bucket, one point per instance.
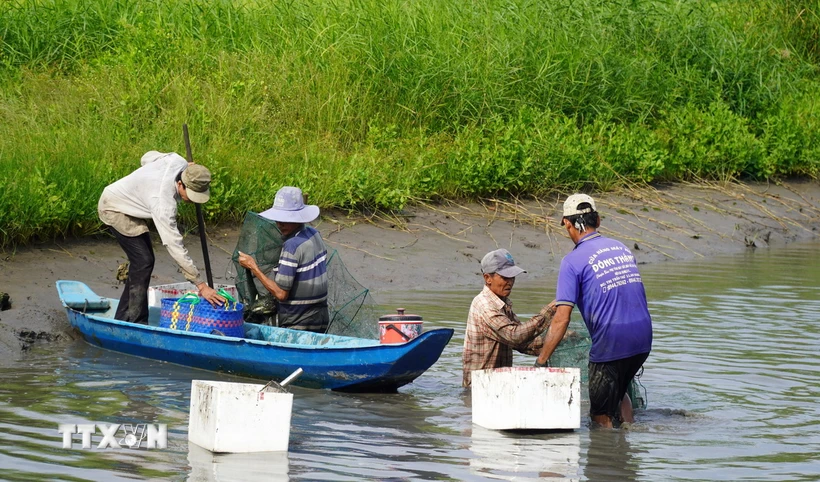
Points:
(399, 328)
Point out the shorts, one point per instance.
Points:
(608, 383)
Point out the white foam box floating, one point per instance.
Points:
(238, 418)
(527, 398)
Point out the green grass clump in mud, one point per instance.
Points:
(371, 104)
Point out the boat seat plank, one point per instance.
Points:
(78, 296)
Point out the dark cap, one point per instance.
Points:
(197, 180)
(500, 261)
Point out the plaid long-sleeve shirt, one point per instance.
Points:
(493, 330)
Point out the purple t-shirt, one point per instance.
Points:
(601, 277)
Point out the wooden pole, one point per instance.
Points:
(199, 217)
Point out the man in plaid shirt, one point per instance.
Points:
(493, 330)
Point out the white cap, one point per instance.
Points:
(572, 203)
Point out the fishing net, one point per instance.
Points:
(261, 239)
(351, 307)
(353, 311)
(573, 351)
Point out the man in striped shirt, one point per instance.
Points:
(300, 281)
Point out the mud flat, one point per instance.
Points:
(430, 246)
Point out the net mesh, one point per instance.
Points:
(573, 351)
(261, 239)
(352, 310)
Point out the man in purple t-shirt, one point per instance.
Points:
(601, 277)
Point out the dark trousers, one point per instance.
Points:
(609, 382)
(133, 305)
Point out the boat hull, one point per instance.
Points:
(369, 368)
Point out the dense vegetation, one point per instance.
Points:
(373, 103)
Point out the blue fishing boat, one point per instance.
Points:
(329, 361)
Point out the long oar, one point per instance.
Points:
(199, 217)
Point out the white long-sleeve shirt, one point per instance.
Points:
(150, 193)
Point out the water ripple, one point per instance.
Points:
(732, 386)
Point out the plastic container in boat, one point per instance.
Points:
(399, 328)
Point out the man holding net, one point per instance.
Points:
(601, 276)
(300, 280)
(493, 330)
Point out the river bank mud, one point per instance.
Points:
(431, 246)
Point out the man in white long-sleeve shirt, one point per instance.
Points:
(152, 192)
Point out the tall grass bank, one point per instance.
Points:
(371, 104)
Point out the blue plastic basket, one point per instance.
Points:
(226, 318)
(192, 313)
(178, 313)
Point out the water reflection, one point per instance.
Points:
(209, 467)
(610, 457)
(525, 456)
(406, 436)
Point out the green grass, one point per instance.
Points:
(371, 104)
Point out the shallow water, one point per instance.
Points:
(731, 384)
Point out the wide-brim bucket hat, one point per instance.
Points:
(289, 207)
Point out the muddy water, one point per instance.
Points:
(732, 388)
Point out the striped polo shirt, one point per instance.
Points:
(302, 272)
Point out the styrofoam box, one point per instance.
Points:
(520, 398)
(237, 417)
(156, 293)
